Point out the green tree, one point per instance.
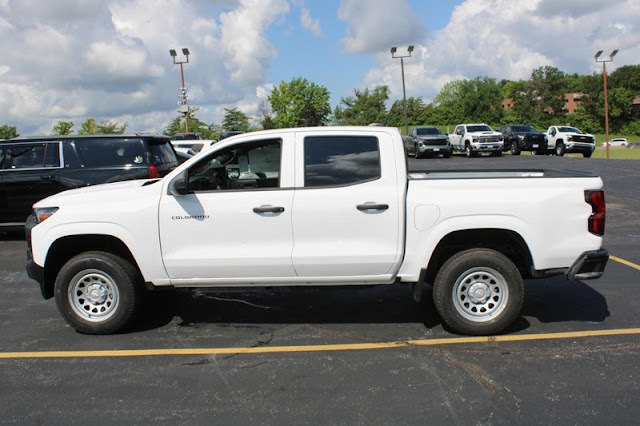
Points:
(62, 128)
(478, 100)
(627, 76)
(363, 108)
(546, 95)
(195, 125)
(265, 115)
(8, 132)
(300, 103)
(91, 127)
(234, 119)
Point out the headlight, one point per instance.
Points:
(43, 213)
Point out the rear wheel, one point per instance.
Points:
(478, 292)
(97, 292)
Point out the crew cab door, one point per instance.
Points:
(551, 137)
(457, 137)
(348, 210)
(233, 218)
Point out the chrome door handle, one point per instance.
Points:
(268, 209)
(372, 206)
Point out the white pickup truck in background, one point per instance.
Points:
(565, 139)
(316, 207)
(473, 139)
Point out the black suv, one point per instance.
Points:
(33, 168)
(520, 137)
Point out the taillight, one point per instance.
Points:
(153, 172)
(596, 220)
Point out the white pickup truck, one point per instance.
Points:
(476, 138)
(566, 139)
(316, 207)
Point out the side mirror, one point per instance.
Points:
(178, 186)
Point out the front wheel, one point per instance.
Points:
(97, 292)
(586, 154)
(478, 292)
(515, 150)
(468, 151)
(560, 149)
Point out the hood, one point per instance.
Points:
(102, 189)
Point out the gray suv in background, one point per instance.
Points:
(427, 141)
(33, 168)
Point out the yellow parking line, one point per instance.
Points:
(318, 348)
(625, 262)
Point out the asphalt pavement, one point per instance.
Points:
(340, 356)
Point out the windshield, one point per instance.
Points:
(523, 129)
(569, 130)
(479, 128)
(422, 131)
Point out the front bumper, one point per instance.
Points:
(590, 265)
(34, 271)
(436, 149)
(487, 147)
(579, 147)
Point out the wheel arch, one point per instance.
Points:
(505, 241)
(67, 247)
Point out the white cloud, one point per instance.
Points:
(243, 40)
(310, 24)
(507, 39)
(374, 25)
(74, 59)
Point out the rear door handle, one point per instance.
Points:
(268, 209)
(372, 206)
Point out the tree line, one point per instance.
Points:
(538, 101)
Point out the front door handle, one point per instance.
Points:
(372, 206)
(268, 209)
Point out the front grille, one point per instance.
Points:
(489, 139)
(433, 142)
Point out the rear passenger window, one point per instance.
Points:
(110, 152)
(340, 160)
(24, 156)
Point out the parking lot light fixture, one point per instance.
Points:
(394, 51)
(606, 100)
(184, 108)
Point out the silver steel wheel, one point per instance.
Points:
(480, 294)
(93, 295)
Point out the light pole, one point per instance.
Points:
(606, 100)
(394, 49)
(184, 108)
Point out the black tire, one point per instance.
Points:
(496, 154)
(478, 292)
(468, 151)
(97, 292)
(417, 152)
(560, 149)
(446, 154)
(586, 154)
(513, 148)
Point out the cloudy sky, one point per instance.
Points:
(109, 59)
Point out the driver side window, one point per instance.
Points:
(249, 165)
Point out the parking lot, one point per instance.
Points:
(346, 356)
